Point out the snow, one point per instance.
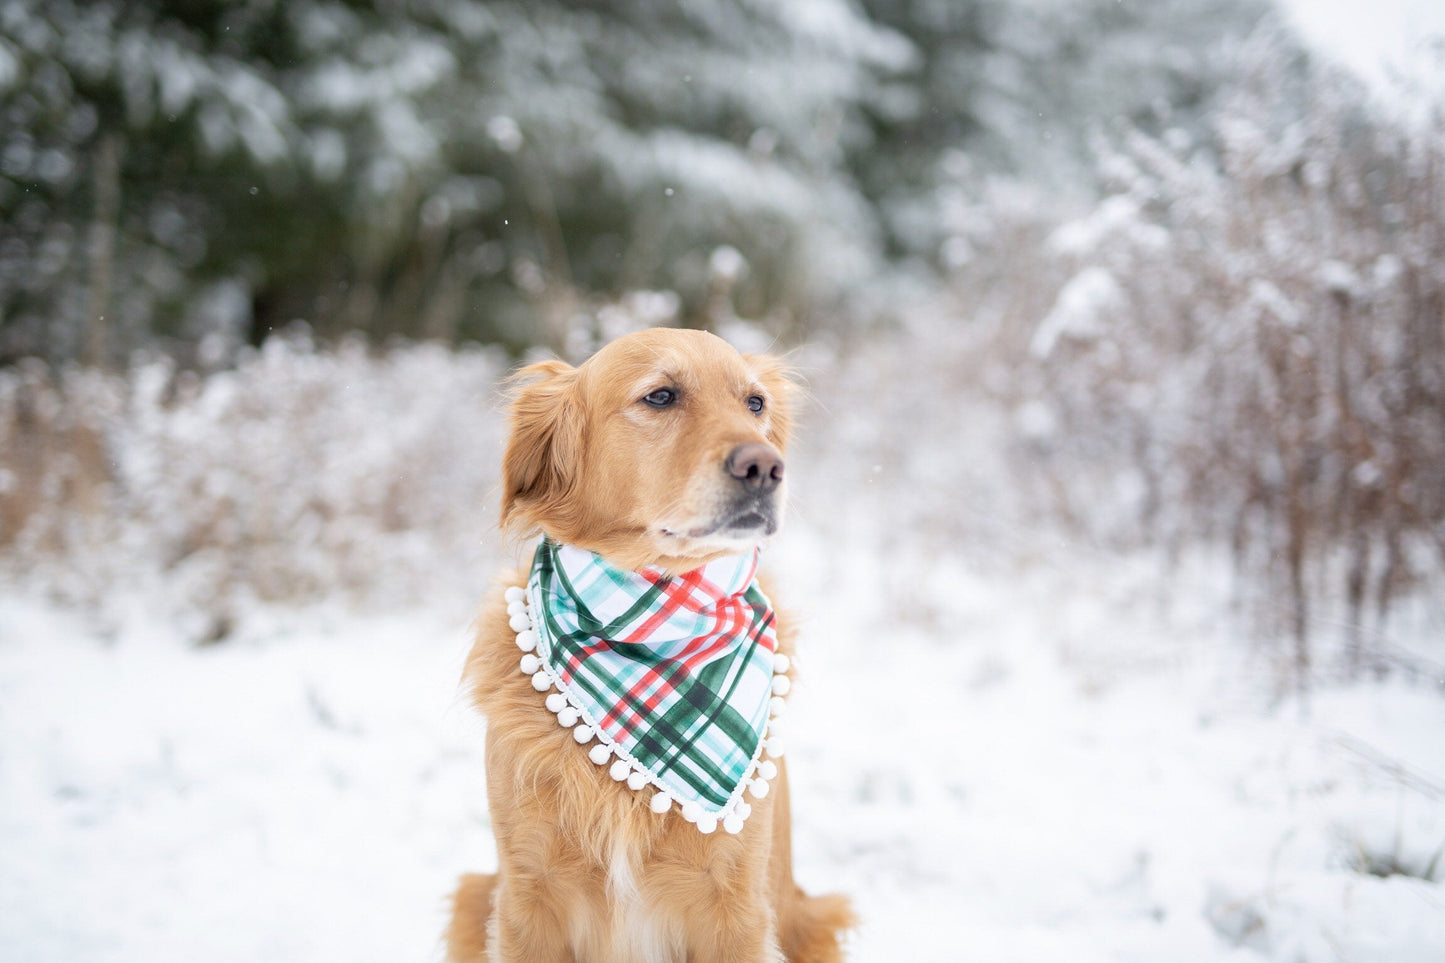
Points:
(1080, 780)
(1115, 217)
(1082, 311)
(1026, 760)
(9, 67)
(249, 802)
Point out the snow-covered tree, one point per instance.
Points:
(210, 171)
(1018, 88)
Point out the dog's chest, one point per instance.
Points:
(639, 931)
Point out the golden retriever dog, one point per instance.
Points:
(663, 452)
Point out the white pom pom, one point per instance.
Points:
(582, 734)
(777, 705)
(516, 608)
(636, 780)
(530, 663)
(768, 769)
(519, 622)
(744, 810)
(540, 682)
(733, 824)
(781, 663)
(759, 788)
(515, 593)
(707, 825)
(600, 754)
(568, 717)
(774, 746)
(527, 641)
(619, 770)
(776, 726)
(781, 685)
(661, 803)
(691, 811)
(556, 702)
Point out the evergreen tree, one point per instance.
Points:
(208, 171)
(1018, 88)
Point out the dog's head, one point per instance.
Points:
(664, 448)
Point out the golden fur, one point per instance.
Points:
(587, 872)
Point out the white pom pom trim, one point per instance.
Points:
(755, 781)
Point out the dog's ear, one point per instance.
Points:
(785, 390)
(544, 447)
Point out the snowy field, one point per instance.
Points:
(1033, 760)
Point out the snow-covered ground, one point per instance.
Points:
(1030, 760)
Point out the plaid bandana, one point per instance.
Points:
(675, 678)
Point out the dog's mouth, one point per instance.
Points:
(753, 522)
(751, 518)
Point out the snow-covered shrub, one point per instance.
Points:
(306, 474)
(1252, 322)
(298, 475)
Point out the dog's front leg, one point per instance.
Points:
(526, 928)
(738, 943)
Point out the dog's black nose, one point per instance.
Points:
(757, 466)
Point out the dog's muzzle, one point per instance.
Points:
(757, 471)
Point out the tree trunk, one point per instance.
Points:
(103, 230)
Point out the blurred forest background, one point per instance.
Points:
(1132, 276)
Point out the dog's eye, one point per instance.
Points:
(755, 404)
(661, 398)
